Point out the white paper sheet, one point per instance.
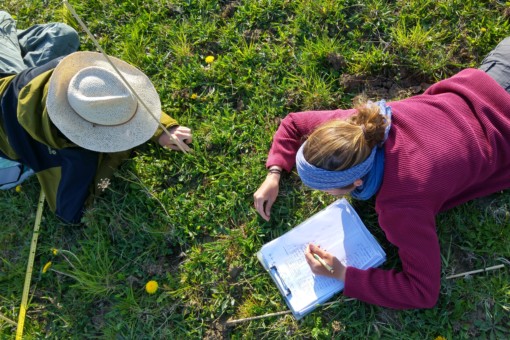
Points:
(338, 230)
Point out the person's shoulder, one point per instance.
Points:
(470, 77)
(4, 82)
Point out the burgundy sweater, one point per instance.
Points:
(445, 147)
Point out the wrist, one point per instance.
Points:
(274, 170)
(340, 275)
(162, 139)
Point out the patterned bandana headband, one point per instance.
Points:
(321, 179)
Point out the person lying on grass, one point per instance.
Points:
(418, 156)
(69, 117)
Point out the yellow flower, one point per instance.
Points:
(54, 251)
(151, 287)
(483, 29)
(439, 338)
(209, 59)
(18, 188)
(194, 96)
(46, 267)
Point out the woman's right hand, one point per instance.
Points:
(266, 194)
(318, 268)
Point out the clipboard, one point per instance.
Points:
(339, 230)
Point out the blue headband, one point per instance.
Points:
(322, 179)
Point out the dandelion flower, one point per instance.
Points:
(54, 251)
(151, 287)
(194, 96)
(483, 29)
(46, 267)
(18, 188)
(439, 338)
(209, 59)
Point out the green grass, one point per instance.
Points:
(187, 221)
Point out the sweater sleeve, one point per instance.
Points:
(417, 285)
(167, 122)
(292, 132)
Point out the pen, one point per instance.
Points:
(327, 266)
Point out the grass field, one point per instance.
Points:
(187, 221)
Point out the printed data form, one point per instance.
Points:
(338, 230)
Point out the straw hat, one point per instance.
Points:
(90, 104)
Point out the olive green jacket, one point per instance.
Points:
(32, 116)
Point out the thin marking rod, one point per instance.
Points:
(230, 323)
(30, 266)
(82, 24)
(476, 271)
(6, 319)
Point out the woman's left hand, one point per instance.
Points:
(181, 136)
(317, 268)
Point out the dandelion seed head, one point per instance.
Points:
(103, 184)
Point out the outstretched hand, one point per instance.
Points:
(266, 195)
(181, 135)
(317, 268)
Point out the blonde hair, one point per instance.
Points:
(342, 144)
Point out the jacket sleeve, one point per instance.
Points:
(293, 131)
(167, 122)
(417, 285)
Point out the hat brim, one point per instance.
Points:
(140, 128)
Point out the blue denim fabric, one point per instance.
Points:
(497, 64)
(34, 46)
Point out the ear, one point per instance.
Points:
(358, 182)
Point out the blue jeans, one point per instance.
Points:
(497, 64)
(34, 46)
(21, 49)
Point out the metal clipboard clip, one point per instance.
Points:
(279, 281)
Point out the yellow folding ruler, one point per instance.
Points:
(30, 266)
